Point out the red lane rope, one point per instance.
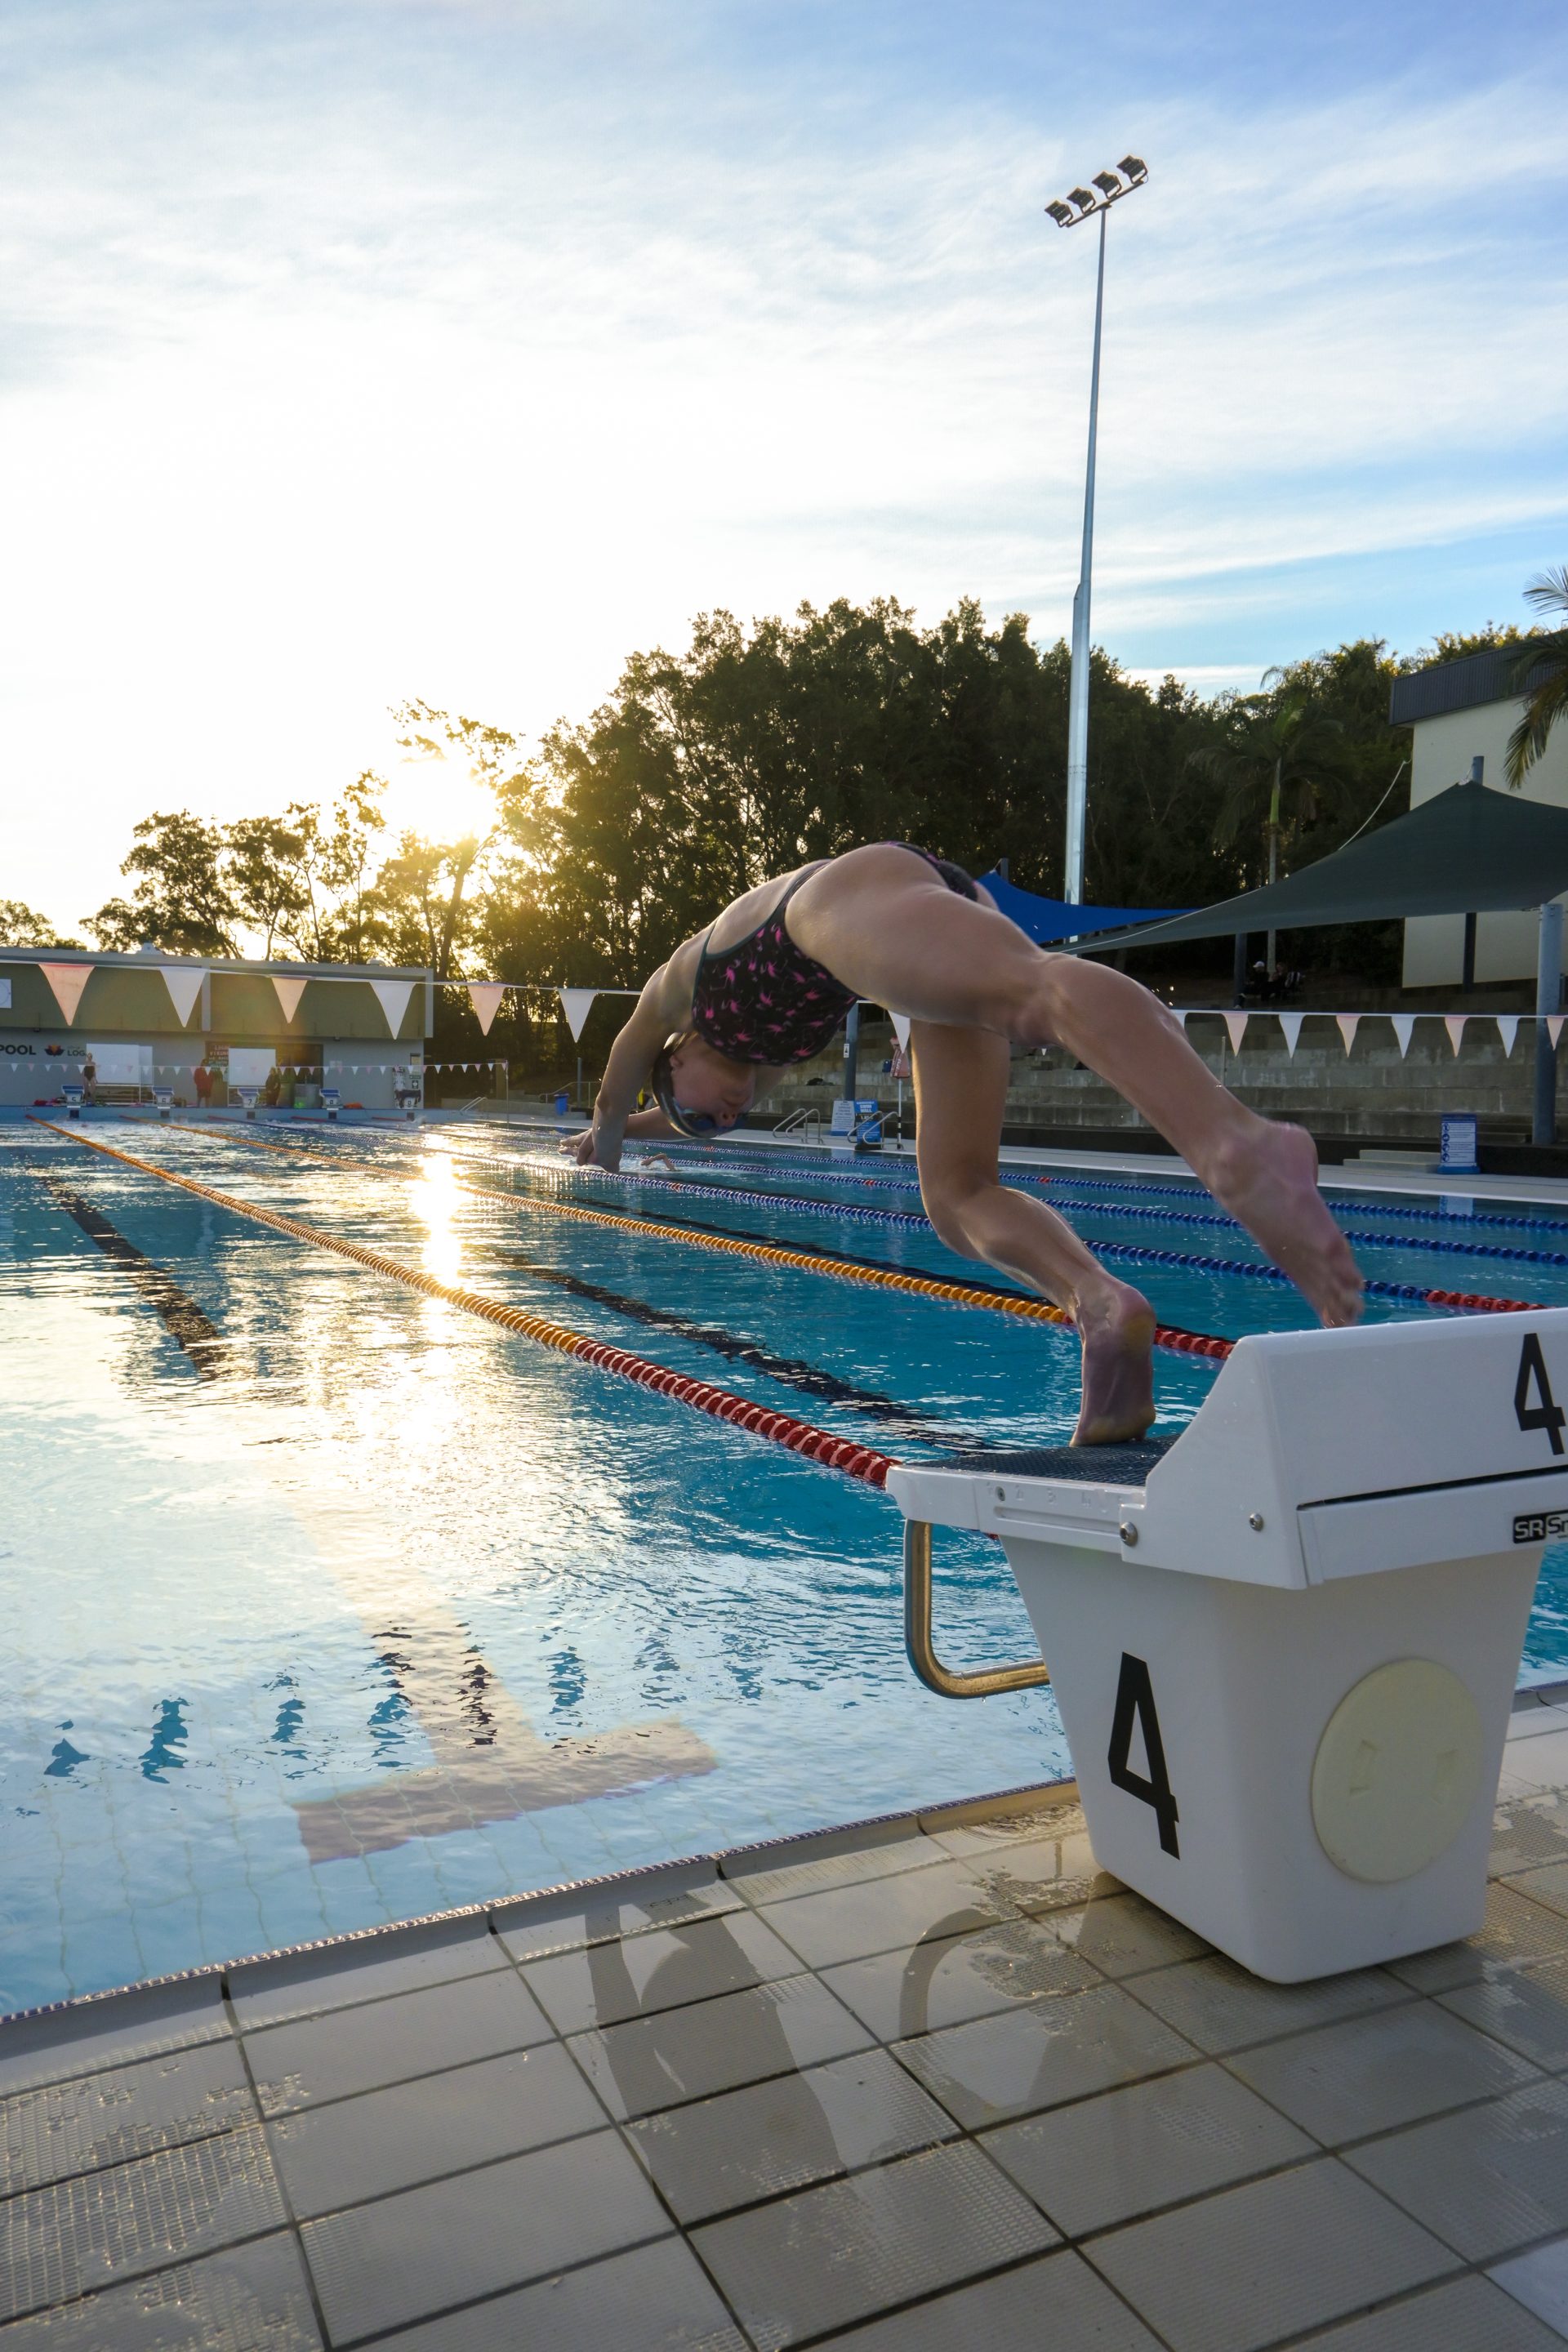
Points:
(862, 1462)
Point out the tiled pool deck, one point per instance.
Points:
(927, 2086)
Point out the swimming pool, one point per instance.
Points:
(330, 1603)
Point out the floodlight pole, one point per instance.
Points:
(1077, 693)
(1067, 212)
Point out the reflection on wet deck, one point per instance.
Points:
(916, 2085)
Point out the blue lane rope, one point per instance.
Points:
(1216, 1219)
(1119, 1252)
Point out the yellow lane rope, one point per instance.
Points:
(956, 1294)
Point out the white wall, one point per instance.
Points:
(1505, 944)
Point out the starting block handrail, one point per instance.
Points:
(923, 1658)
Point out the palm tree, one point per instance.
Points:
(1278, 748)
(1548, 696)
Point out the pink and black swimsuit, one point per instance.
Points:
(765, 1000)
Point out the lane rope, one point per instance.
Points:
(1169, 1336)
(862, 1462)
(1118, 1206)
(1123, 1253)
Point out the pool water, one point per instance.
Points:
(327, 1603)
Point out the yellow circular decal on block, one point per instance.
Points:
(1396, 1770)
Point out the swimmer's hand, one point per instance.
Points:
(592, 1149)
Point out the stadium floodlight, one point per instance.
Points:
(1111, 186)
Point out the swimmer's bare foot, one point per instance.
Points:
(1267, 1175)
(1116, 1326)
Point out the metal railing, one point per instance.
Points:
(918, 1633)
(807, 1116)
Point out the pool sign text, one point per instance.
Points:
(1135, 1703)
(1545, 1412)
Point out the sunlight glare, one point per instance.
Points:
(434, 1201)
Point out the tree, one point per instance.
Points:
(265, 857)
(21, 928)
(182, 902)
(1454, 645)
(1279, 754)
(419, 900)
(1541, 669)
(332, 916)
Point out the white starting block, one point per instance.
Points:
(331, 1100)
(1285, 1644)
(164, 1096)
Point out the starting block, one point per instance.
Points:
(1284, 1643)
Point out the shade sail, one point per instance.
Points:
(1470, 851)
(1058, 918)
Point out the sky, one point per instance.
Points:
(452, 349)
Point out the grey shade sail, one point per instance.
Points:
(1470, 851)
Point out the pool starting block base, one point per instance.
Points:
(1285, 1644)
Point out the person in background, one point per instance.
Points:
(88, 1079)
(202, 1079)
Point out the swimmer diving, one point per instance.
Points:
(773, 979)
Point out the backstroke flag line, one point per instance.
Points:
(184, 987)
(576, 1003)
(393, 996)
(68, 981)
(485, 996)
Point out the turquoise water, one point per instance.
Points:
(353, 1607)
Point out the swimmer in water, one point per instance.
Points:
(772, 981)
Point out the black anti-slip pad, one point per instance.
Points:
(1109, 1466)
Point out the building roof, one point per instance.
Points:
(1466, 851)
(1462, 685)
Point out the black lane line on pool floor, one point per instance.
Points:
(186, 1323)
(790, 1372)
(490, 1764)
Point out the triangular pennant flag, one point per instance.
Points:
(485, 996)
(1454, 1022)
(1291, 1024)
(576, 1003)
(393, 996)
(900, 1022)
(68, 981)
(1404, 1023)
(1508, 1030)
(1554, 1027)
(184, 987)
(1236, 1023)
(1349, 1023)
(289, 993)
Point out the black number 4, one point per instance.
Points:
(1546, 1415)
(1135, 1702)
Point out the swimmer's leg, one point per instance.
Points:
(960, 1089)
(887, 927)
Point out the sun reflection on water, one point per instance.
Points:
(435, 1201)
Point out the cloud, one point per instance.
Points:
(454, 351)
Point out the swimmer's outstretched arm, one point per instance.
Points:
(616, 1115)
